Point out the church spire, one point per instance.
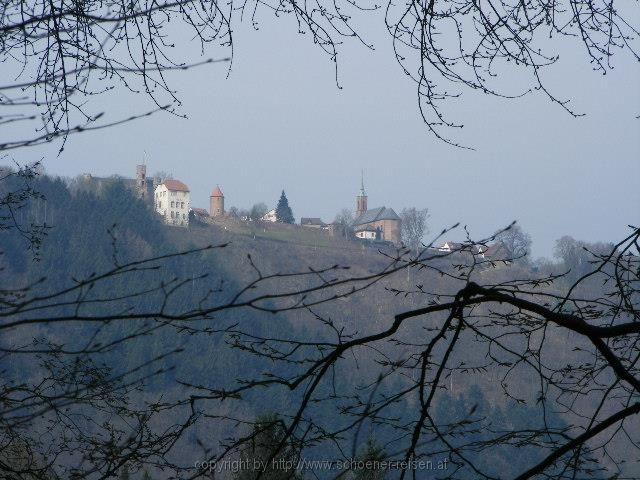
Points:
(361, 199)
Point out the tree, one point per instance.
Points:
(234, 212)
(512, 328)
(84, 416)
(516, 242)
(413, 226)
(108, 44)
(258, 211)
(62, 55)
(578, 256)
(283, 210)
(268, 452)
(344, 220)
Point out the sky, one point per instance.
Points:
(278, 121)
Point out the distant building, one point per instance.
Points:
(495, 251)
(270, 216)
(381, 222)
(199, 215)
(142, 186)
(172, 201)
(448, 247)
(370, 234)
(216, 202)
(313, 222)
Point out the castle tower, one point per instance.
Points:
(361, 199)
(216, 202)
(141, 180)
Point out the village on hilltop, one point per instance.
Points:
(171, 200)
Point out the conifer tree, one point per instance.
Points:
(283, 210)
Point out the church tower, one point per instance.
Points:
(361, 199)
(216, 202)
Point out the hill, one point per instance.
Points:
(237, 343)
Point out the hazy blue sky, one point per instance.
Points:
(279, 122)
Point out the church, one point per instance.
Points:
(380, 223)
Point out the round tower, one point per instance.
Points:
(361, 199)
(216, 202)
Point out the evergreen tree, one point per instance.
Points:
(283, 210)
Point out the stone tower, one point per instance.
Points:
(361, 199)
(141, 181)
(216, 202)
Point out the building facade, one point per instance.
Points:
(172, 201)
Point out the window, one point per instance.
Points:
(171, 213)
(172, 204)
(182, 205)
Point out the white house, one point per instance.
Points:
(172, 201)
(368, 234)
(270, 216)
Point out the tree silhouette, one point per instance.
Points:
(88, 50)
(283, 210)
(75, 416)
(413, 226)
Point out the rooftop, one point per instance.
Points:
(175, 185)
(376, 214)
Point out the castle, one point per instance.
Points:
(172, 198)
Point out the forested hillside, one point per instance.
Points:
(92, 232)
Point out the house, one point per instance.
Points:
(448, 247)
(369, 234)
(381, 219)
(199, 215)
(270, 216)
(172, 202)
(497, 251)
(313, 222)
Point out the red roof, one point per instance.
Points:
(175, 185)
(217, 192)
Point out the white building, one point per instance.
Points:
(368, 234)
(172, 201)
(270, 216)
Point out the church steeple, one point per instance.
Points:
(361, 199)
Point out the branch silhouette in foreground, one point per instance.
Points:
(63, 54)
(85, 412)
